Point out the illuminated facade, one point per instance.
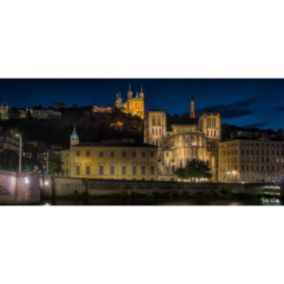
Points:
(111, 161)
(134, 104)
(102, 109)
(155, 127)
(196, 140)
(251, 161)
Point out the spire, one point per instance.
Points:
(192, 108)
(141, 95)
(129, 93)
(74, 139)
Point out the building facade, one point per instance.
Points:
(9, 141)
(251, 161)
(4, 112)
(197, 139)
(134, 105)
(155, 127)
(110, 160)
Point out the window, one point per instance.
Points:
(112, 170)
(143, 170)
(112, 154)
(134, 154)
(159, 121)
(152, 154)
(101, 170)
(101, 153)
(152, 170)
(143, 154)
(78, 153)
(88, 154)
(134, 170)
(88, 170)
(78, 170)
(123, 154)
(123, 170)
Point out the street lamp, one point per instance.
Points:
(19, 135)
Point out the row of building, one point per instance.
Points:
(35, 113)
(168, 147)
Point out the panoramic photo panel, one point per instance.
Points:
(141, 142)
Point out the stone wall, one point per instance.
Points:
(23, 188)
(67, 186)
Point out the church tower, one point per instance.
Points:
(192, 108)
(74, 138)
(155, 127)
(141, 94)
(129, 93)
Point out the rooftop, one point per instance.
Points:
(114, 143)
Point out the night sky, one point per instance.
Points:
(250, 103)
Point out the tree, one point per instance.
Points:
(55, 163)
(194, 169)
(9, 160)
(14, 113)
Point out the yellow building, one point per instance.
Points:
(111, 160)
(134, 105)
(251, 161)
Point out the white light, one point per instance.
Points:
(46, 183)
(27, 180)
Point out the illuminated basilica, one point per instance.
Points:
(134, 104)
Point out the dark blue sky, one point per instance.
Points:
(244, 102)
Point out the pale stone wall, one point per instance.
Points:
(23, 188)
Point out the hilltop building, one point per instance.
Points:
(134, 105)
(184, 142)
(4, 112)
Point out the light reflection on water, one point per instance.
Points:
(173, 202)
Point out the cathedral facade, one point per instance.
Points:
(184, 142)
(134, 105)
